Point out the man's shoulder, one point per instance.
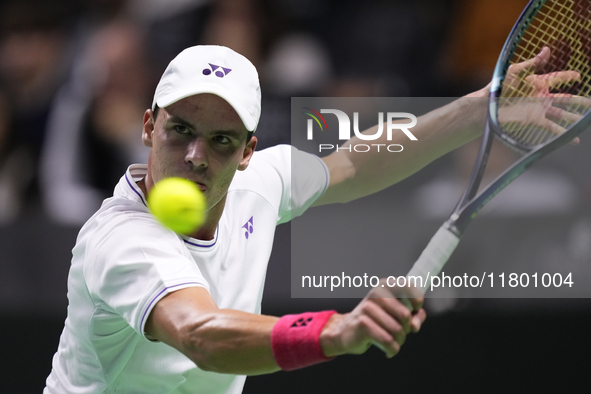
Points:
(120, 219)
(117, 209)
(265, 166)
(275, 155)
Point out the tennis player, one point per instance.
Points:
(154, 312)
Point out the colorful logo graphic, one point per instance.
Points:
(316, 117)
(221, 71)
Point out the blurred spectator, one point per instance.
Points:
(121, 96)
(32, 50)
(95, 125)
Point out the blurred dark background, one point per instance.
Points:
(76, 76)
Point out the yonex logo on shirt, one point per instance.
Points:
(219, 73)
(249, 227)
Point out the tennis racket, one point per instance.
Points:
(545, 65)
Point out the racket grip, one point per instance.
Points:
(430, 262)
(433, 258)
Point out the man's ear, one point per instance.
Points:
(148, 128)
(247, 154)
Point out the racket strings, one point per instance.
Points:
(564, 26)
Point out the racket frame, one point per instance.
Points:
(470, 203)
(444, 242)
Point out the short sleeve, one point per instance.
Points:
(309, 180)
(137, 264)
(301, 177)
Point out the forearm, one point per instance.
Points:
(219, 340)
(230, 341)
(235, 342)
(356, 174)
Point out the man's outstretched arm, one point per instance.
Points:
(354, 175)
(230, 341)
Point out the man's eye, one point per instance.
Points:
(220, 139)
(181, 129)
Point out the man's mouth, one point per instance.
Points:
(201, 186)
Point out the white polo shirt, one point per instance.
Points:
(124, 261)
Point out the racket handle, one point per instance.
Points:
(434, 257)
(430, 262)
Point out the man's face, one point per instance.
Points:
(200, 138)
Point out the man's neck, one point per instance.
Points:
(206, 231)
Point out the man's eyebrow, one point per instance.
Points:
(232, 132)
(177, 119)
(181, 121)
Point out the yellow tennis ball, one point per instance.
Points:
(178, 204)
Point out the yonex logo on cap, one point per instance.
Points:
(218, 73)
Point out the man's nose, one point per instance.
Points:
(196, 153)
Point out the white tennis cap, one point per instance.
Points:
(217, 70)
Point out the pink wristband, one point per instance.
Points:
(295, 339)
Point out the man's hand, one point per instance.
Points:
(379, 319)
(528, 79)
(531, 99)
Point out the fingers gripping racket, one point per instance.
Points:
(546, 60)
